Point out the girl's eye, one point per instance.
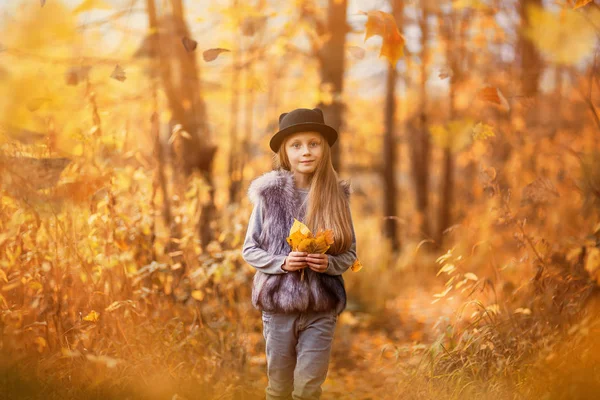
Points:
(296, 145)
(314, 144)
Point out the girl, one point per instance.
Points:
(299, 316)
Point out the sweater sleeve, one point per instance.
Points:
(253, 254)
(339, 263)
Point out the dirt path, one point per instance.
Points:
(364, 362)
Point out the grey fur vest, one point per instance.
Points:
(285, 293)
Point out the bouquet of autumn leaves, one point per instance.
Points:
(302, 239)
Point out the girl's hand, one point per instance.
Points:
(295, 261)
(317, 262)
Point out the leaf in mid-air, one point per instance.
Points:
(494, 95)
(357, 266)
(446, 72)
(118, 73)
(189, 44)
(565, 37)
(212, 54)
(383, 24)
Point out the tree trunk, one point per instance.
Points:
(180, 79)
(420, 140)
(389, 143)
(331, 60)
(530, 58)
(454, 57)
(234, 149)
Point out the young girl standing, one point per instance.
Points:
(299, 315)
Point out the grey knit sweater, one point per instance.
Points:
(271, 264)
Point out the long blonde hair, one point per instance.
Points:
(327, 206)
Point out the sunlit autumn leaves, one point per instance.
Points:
(384, 25)
(564, 37)
(302, 239)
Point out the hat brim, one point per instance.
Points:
(327, 131)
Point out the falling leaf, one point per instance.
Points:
(92, 316)
(446, 72)
(493, 95)
(77, 74)
(565, 37)
(383, 24)
(212, 54)
(356, 266)
(89, 5)
(356, 52)
(189, 44)
(42, 3)
(118, 73)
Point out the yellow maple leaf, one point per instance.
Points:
(383, 24)
(357, 266)
(300, 227)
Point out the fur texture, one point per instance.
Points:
(285, 293)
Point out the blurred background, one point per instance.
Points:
(130, 130)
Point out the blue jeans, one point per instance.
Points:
(298, 348)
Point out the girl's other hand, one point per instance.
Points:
(317, 262)
(295, 261)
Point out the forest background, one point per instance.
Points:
(130, 129)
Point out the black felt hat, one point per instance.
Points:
(302, 120)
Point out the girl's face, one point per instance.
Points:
(304, 150)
